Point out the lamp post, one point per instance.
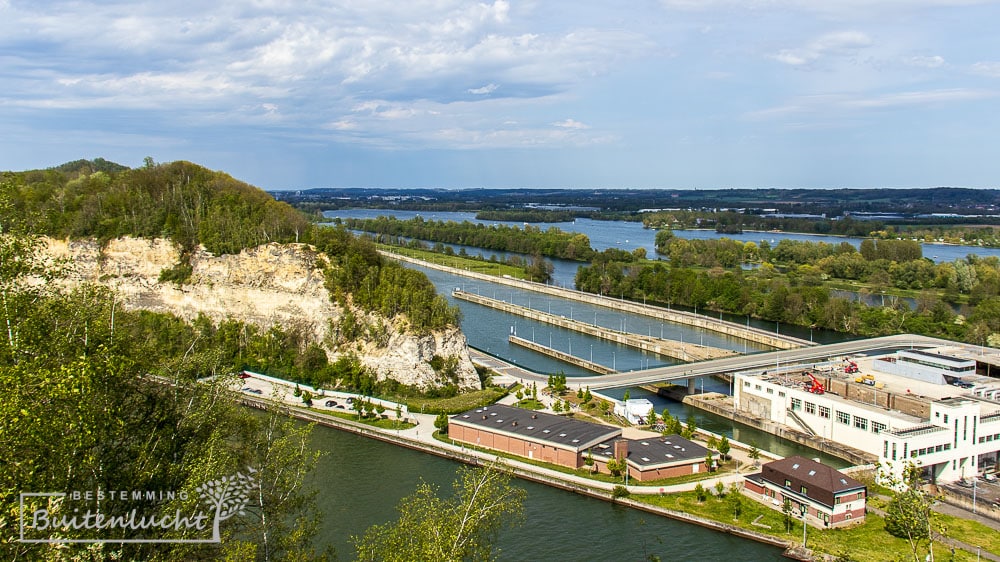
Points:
(805, 510)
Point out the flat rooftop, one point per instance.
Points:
(655, 451)
(538, 426)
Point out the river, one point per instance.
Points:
(361, 480)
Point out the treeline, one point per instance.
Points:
(358, 275)
(731, 222)
(530, 240)
(788, 286)
(526, 215)
(182, 201)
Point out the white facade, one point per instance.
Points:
(635, 410)
(925, 366)
(961, 436)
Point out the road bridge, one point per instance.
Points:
(767, 360)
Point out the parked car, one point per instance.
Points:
(331, 403)
(244, 376)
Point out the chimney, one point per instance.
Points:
(621, 449)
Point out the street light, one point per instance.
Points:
(805, 509)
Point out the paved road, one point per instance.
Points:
(765, 360)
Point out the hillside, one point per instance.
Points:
(182, 239)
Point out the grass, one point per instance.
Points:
(379, 422)
(451, 405)
(470, 264)
(530, 404)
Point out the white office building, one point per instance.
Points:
(959, 438)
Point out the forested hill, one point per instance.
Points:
(182, 201)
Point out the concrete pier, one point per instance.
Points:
(667, 348)
(562, 356)
(734, 329)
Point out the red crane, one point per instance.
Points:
(815, 386)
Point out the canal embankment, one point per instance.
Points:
(420, 438)
(732, 329)
(562, 356)
(682, 351)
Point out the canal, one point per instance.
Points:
(361, 480)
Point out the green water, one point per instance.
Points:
(361, 480)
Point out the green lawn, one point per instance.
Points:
(458, 262)
(530, 404)
(453, 405)
(863, 543)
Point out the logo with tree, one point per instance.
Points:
(228, 496)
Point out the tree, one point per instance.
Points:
(724, 447)
(720, 489)
(754, 454)
(461, 527)
(307, 398)
(700, 492)
(786, 512)
(441, 422)
(735, 500)
(908, 514)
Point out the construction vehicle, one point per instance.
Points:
(866, 379)
(815, 386)
(851, 368)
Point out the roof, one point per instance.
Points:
(537, 426)
(946, 359)
(823, 483)
(656, 451)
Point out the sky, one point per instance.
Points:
(673, 94)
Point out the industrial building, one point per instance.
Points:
(575, 444)
(905, 407)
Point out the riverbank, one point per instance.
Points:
(420, 437)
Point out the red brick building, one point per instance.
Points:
(569, 442)
(831, 498)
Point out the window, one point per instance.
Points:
(803, 490)
(810, 408)
(838, 500)
(861, 423)
(781, 394)
(796, 404)
(746, 384)
(946, 418)
(824, 412)
(878, 427)
(770, 390)
(788, 483)
(843, 417)
(860, 495)
(756, 387)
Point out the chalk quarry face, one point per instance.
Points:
(267, 285)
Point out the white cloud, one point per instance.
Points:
(842, 43)
(487, 89)
(570, 124)
(825, 105)
(987, 68)
(925, 61)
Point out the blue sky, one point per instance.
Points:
(444, 93)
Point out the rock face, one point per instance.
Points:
(267, 285)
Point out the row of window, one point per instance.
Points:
(988, 438)
(930, 450)
(936, 365)
(842, 417)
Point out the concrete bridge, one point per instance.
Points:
(767, 360)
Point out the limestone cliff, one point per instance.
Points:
(270, 284)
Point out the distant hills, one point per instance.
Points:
(831, 202)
